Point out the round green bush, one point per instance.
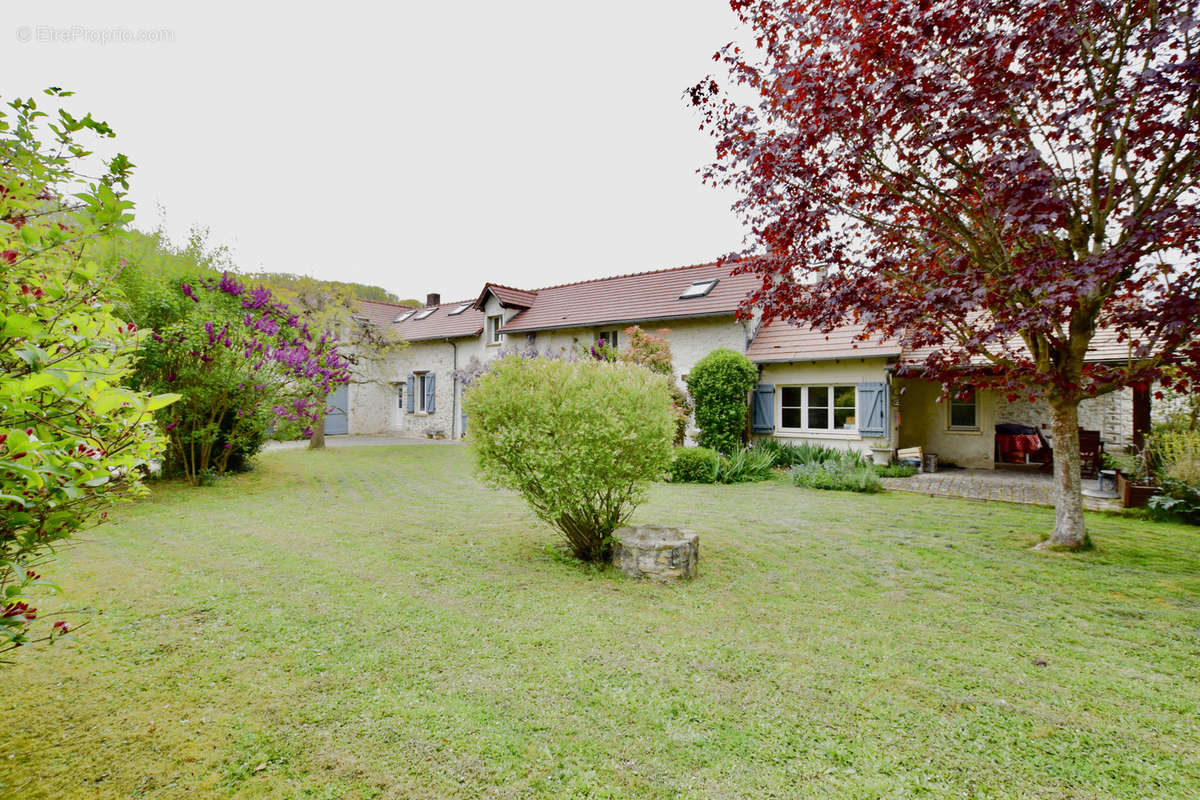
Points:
(580, 440)
(695, 465)
(720, 384)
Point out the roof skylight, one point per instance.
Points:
(404, 316)
(426, 313)
(459, 310)
(698, 289)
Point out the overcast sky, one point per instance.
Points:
(418, 146)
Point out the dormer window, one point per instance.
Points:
(698, 289)
(426, 313)
(494, 336)
(459, 310)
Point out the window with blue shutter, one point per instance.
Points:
(429, 392)
(873, 409)
(763, 419)
(412, 392)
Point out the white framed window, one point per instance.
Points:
(494, 336)
(419, 392)
(963, 411)
(698, 289)
(818, 408)
(610, 339)
(399, 396)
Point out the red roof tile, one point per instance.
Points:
(782, 341)
(640, 297)
(507, 295)
(1104, 348)
(438, 325)
(379, 313)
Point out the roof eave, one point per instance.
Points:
(794, 359)
(600, 323)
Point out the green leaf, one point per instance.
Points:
(18, 325)
(161, 401)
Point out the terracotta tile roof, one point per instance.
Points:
(644, 296)
(1104, 348)
(507, 295)
(438, 325)
(380, 313)
(782, 341)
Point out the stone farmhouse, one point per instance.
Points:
(828, 389)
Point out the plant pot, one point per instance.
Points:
(1134, 495)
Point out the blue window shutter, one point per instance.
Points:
(429, 392)
(873, 409)
(412, 392)
(763, 420)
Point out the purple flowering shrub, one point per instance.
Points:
(245, 364)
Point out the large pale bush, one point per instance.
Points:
(580, 440)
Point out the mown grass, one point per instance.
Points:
(372, 623)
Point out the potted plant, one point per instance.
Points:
(1135, 477)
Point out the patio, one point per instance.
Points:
(1007, 486)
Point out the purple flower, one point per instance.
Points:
(187, 290)
(229, 286)
(257, 298)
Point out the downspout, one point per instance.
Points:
(453, 389)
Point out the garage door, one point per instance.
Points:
(336, 421)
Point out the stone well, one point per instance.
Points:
(656, 552)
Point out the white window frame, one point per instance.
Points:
(805, 392)
(419, 389)
(952, 402)
(611, 337)
(698, 289)
(494, 323)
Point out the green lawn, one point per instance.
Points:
(372, 622)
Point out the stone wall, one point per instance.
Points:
(924, 421)
(1111, 414)
(375, 390)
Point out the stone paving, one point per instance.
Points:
(1033, 488)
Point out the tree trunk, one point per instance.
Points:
(317, 440)
(1069, 531)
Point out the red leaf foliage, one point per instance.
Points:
(992, 182)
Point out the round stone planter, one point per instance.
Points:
(656, 552)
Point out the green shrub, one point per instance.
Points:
(719, 384)
(1178, 500)
(695, 465)
(653, 352)
(744, 465)
(580, 440)
(894, 470)
(787, 454)
(848, 471)
(73, 440)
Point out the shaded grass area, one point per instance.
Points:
(372, 623)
